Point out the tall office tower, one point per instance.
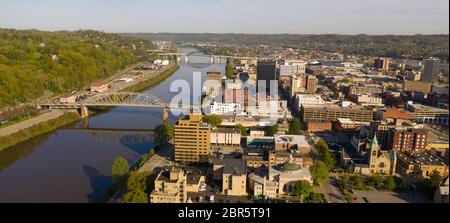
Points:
(311, 84)
(192, 140)
(431, 70)
(296, 84)
(382, 63)
(266, 71)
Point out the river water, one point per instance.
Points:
(73, 165)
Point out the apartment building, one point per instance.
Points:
(170, 187)
(192, 139)
(408, 140)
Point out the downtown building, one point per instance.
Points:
(431, 70)
(333, 113)
(266, 71)
(192, 140)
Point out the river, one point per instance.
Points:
(73, 165)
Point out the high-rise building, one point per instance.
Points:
(266, 71)
(382, 63)
(192, 139)
(431, 70)
(311, 84)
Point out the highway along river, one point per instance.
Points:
(72, 164)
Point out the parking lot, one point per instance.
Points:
(373, 196)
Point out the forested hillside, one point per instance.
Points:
(35, 63)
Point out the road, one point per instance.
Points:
(161, 159)
(331, 192)
(47, 115)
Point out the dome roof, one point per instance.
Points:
(291, 167)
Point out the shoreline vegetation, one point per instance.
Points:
(144, 85)
(70, 117)
(39, 129)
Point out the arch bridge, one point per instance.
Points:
(119, 99)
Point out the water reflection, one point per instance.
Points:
(70, 165)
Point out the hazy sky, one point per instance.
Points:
(225, 16)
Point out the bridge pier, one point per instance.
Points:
(84, 112)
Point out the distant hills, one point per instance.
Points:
(35, 63)
(395, 46)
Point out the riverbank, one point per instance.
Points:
(39, 129)
(141, 86)
(47, 124)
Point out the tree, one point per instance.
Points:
(136, 196)
(244, 131)
(374, 180)
(319, 172)
(213, 120)
(119, 169)
(137, 181)
(315, 198)
(390, 183)
(435, 179)
(348, 197)
(295, 127)
(229, 71)
(302, 188)
(273, 130)
(324, 152)
(163, 133)
(357, 182)
(322, 147)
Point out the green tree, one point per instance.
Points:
(322, 147)
(244, 131)
(319, 172)
(229, 71)
(273, 130)
(119, 169)
(136, 196)
(435, 179)
(213, 120)
(137, 181)
(315, 198)
(356, 182)
(348, 197)
(295, 127)
(163, 133)
(302, 188)
(374, 180)
(390, 183)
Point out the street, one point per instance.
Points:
(48, 115)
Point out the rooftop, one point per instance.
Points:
(292, 139)
(422, 159)
(232, 166)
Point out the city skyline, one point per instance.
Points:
(254, 17)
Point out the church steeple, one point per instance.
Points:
(374, 145)
(374, 148)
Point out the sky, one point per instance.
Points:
(231, 16)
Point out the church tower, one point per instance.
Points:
(374, 150)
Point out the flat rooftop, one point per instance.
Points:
(422, 159)
(232, 166)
